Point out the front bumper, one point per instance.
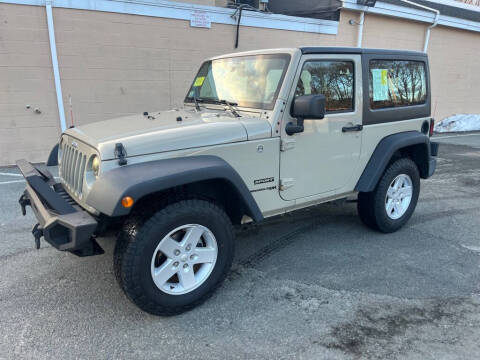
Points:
(61, 222)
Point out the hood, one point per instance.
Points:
(164, 131)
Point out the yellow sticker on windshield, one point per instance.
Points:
(384, 76)
(199, 81)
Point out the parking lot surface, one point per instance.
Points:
(311, 285)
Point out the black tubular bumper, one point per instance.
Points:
(61, 222)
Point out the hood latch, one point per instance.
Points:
(121, 154)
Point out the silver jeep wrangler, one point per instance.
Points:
(261, 133)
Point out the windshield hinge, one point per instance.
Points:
(286, 183)
(287, 144)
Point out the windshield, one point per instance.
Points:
(249, 81)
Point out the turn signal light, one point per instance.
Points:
(127, 202)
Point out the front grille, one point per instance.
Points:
(60, 190)
(72, 169)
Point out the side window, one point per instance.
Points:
(395, 83)
(332, 78)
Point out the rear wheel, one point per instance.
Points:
(394, 199)
(175, 260)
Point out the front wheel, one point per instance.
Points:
(394, 199)
(175, 259)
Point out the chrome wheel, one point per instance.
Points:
(399, 196)
(184, 259)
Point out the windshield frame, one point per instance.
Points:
(252, 105)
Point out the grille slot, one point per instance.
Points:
(73, 168)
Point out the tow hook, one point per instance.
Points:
(37, 234)
(24, 202)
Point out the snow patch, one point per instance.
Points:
(460, 122)
(472, 248)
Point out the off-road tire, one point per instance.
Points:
(140, 236)
(371, 205)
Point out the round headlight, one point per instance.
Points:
(93, 170)
(95, 165)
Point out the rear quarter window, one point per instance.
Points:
(396, 83)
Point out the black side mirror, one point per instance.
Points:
(306, 107)
(309, 107)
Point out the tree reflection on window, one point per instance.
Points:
(395, 83)
(333, 79)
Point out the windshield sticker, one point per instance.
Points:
(199, 81)
(380, 84)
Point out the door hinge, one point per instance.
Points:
(286, 183)
(287, 144)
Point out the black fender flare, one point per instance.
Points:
(139, 180)
(384, 152)
(53, 157)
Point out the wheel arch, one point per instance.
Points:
(204, 176)
(53, 156)
(412, 144)
(217, 190)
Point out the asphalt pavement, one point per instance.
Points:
(315, 284)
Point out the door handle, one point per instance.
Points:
(352, 128)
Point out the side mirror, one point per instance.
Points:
(309, 107)
(306, 107)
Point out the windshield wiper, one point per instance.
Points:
(230, 105)
(196, 99)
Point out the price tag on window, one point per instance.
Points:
(380, 84)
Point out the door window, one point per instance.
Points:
(331, 78)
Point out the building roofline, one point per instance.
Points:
(447, 8)
(185, 11)
(400, 10)
(454, 4)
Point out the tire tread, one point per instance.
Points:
(371, 206)
(132, 239)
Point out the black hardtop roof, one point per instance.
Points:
(355, 50)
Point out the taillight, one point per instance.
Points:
(432, 125)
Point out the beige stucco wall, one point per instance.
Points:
(25, 79)
(393, 33)
(116, 64)
(455, 71)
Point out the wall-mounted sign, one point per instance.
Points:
(200, 19)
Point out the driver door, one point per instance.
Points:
(321, 159)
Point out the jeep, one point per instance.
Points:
(260, 134)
